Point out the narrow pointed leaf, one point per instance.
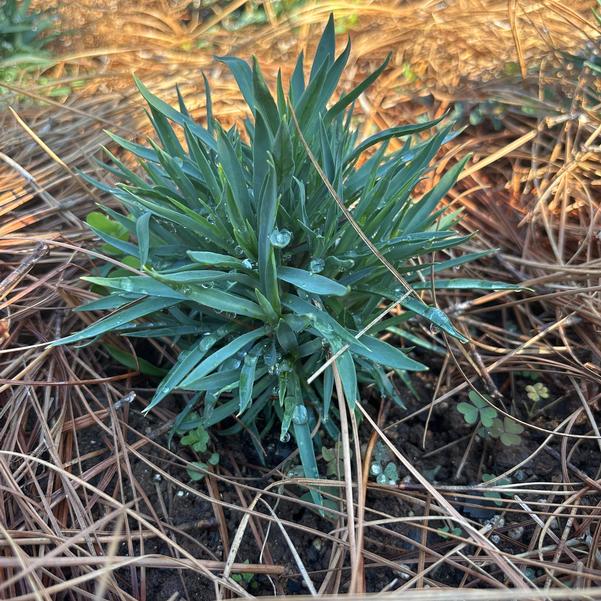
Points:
(311, 282)
(218, 357)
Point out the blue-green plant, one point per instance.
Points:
(22, 32)
(241, 258)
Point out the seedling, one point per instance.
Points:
(445, 531)
(507, 430)
(477, 410)
(493, 494)
(334, 460)
(245, 578)
(537, 392)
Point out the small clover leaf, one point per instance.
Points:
(537, 391)
(197, 439)
(487, 416)
(476, 410)
(507, 431)
(513, 429)
(244, 577)
(391, 472)
(333, 459)
(493, 494)
(443, 532)
(470, 413)
(197, 470)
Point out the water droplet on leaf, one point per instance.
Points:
(280, 238)
(300, 416)
(317, 265)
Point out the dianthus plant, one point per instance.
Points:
(243, 262)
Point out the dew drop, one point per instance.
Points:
(247, 264)
(280, 238)
(317, 265)
(300, 416)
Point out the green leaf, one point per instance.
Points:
(247, 378)
(263, 100)
(435, 316)
(393, 132)
(217, 358)
(477, 399)
(267, 210)
(143, 235)
(326, 47)
(470, 413)
(215, 259)
(487, 416)
(132, 362)
(381, 352)
(168, 111)
(197, 439)
(142, 285)
(466, 283)
(243, 75)
(120, 318)
(420, 212)
(197, 471)
(235, 176)
(185, 363)
(101, 223)
(269, 312)
(356, 92)
(221, 301)
(311, 282)
(297, 81)
(302, 433)
(512, 431)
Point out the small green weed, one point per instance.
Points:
(537, 392)
(507, 430)
(496, 496)
(445, 531)
(477, 410)
(246, 579)
(197, 440)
